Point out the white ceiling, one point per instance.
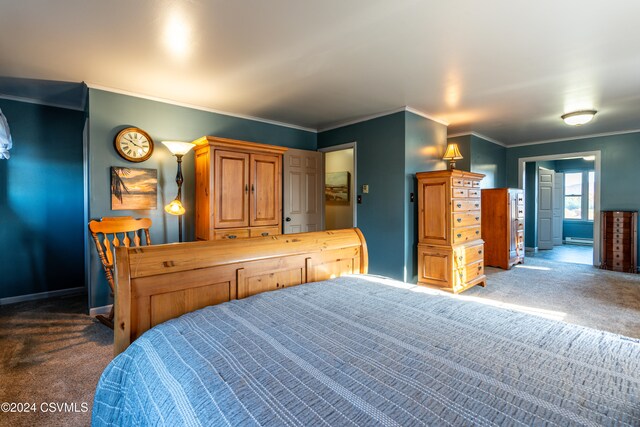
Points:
(502, 68)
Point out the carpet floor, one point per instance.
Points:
(50, 352)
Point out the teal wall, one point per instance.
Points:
(489, 159)
(41, 201)
(482, 156)
(390, 150)
(425, 144)
(380, 163)
(110, 112)
(620, 173)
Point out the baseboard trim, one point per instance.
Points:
(41, 295)
(105, 309)
(527, 248)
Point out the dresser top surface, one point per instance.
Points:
(450, 173)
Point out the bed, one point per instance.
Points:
(349, 349)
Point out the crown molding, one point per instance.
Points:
(479, 135)
(594, 135)
(385, 113)
(40, 102)
(426, 116)
(198, 107)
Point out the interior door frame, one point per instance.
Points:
(598, 176)
(354, 145)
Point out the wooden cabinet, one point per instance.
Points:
(503, 226)
(450, 248)
(619, 240)
(238, 189)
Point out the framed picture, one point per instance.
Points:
(133, 188)
(337, 186)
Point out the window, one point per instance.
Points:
(579, 191)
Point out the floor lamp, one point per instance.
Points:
(178, 149)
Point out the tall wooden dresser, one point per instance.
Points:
(503, 226)
(450, 248)
(238, 189)
(619, 240)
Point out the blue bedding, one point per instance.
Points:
(363, 350)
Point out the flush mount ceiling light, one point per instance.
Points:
(578, 118)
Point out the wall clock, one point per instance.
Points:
(134, 144)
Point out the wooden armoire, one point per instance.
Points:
(238, 189)
(450, 247)
(619, 240)
(503, 226)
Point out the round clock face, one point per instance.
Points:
(134, 144)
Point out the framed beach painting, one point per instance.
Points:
(337, 186)
(133, 188)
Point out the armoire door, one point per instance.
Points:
(231, 189)
(265, 190)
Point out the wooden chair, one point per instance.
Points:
(111, 232)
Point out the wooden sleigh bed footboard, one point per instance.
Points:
(161, 282)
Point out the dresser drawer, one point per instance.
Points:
(469, 272)
(466, 205)
(264, 231)
(458, 182)
(465, 234)
(460, 192)
(473, 253)
(474, 192)
(239, 233)
(474, 270)
(463, 219)
(468, 183)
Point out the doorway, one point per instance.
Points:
(339, 186)
(562, 206)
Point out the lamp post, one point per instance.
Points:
(178, 149)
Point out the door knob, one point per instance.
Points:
(287, 219)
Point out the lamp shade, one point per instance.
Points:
(452, 153)
(578, 118)
(178, 147)
(175, 208)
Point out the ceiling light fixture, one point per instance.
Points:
(578, 118)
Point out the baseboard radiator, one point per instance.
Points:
(578, 241)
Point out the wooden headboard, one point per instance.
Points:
(157, 283)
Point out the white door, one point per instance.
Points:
(558, 199)
(545, 208)
(302, 194)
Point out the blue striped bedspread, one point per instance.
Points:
(364, 350)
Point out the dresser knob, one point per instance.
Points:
(231, 236)
(459, 205)
(459, 235)
(477, 218)
(480, 252)
(477, 231)
(265, 234)
(459, 220)
(477, 205)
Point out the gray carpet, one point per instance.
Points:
(573, 293)
(51, 352)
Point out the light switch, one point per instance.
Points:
(365, 188)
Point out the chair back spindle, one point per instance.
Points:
(111, 232)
